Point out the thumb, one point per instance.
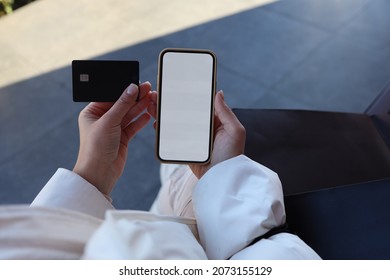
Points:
(223, 112)
(123, 104)
(228, 120)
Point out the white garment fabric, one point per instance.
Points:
(143, 235)
(44, 233)
(233, 203)
(175, 195)
(68, 190)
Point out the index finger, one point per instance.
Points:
(123, 104)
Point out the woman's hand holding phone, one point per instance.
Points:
(229, 137)
(229, 134)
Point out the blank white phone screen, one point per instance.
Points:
(186, 98)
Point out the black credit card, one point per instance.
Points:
(102, 80)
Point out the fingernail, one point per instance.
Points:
(132, 89)
(222, 94)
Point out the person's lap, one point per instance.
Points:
(175, 195)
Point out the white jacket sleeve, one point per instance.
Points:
(237, 201)
(68, 190)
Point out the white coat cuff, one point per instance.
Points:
(68, 190)
(234, 202)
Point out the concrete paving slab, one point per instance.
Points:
(239, 91)
(258, 44)
(371, 24)
(322, 83)
(30, 109)
(329, 15)
(273, 99)
(24, 175)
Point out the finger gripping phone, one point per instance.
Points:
(185, 107)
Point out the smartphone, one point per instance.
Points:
(185, 107)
